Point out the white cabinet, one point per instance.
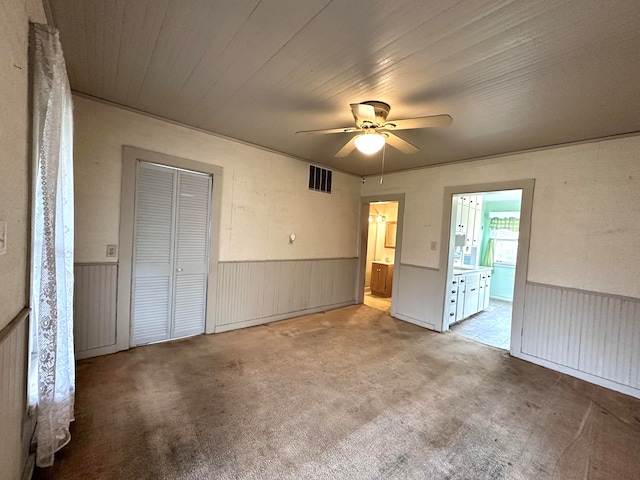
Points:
(456, 299)
(468, 294)
(487, 290)
(471, 293)
(484, 289)
(468, 211)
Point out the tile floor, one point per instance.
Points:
(492, 326)
(379, 303)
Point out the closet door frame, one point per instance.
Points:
(130, 158)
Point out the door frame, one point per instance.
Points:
(363, 227)
(522, 259)
(130, 157)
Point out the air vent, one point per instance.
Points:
(320, 179)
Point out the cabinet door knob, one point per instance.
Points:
(451, 314)
(453, 291)
(453, 301)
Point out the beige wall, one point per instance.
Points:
(14, 123)
(14, 209)
(584, 231)
(264, 194)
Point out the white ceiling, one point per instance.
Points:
(513, 74)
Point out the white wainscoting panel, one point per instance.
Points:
(416, 302)
(251, 293)
(94, 305)
(13, 395)
(587, 332)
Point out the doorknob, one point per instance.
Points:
(179, 270)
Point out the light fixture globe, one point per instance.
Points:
(369, 143)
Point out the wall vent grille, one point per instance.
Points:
(320, 179)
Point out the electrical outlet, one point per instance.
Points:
(111, 250)
(434, 245)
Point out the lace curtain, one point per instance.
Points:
(52, 247)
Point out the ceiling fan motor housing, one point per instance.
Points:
(381, 111)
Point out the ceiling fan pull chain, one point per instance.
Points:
(384, 148)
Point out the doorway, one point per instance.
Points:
(168, 251)
(381, 252)
(485, 246)
(458, 258)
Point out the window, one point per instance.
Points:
(505, 247)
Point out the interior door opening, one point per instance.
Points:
(381, 254)
(484, 237)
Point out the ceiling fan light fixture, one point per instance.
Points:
(369, 143)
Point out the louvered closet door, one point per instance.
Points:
(152, 284)
(171, 253)
(192, 253)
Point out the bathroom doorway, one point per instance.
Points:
(381, 252)
(381, 219)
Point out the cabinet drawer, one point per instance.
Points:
(472, 279)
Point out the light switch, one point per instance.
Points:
(3, 237)
(434, 245)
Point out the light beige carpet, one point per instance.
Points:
(350, 394)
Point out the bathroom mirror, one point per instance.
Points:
(390, 235)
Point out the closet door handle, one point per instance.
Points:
(179, 270)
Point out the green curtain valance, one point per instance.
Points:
(510, 223)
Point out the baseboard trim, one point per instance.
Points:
(504, 299)
(96, 352)
(283, 316)
(415, 321)
(602, 382)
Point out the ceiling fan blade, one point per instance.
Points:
(349, 147)
(419, 122)
(400, 144)
(328, 130)
(363, 113)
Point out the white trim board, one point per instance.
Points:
(283, 316)
(602, 382)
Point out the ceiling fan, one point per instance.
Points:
(375, 131)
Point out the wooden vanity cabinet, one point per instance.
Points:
(381, 279)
